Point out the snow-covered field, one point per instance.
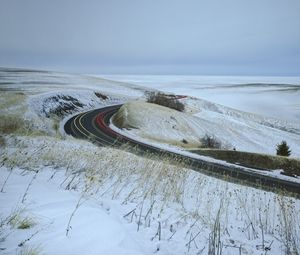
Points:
(277, 97)
(60, 195)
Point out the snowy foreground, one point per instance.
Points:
(61, 195)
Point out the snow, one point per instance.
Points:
(276, 97)
(124, 200)
(94, 230)
(234, 129)
(124, 183)
(99, 225)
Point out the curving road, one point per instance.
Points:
(94, 125)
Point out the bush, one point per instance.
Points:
(283, 149)
(165, 100)
(210, 142)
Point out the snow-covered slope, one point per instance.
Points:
(44, 98)
(70, 196)
(245, 132)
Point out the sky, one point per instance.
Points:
(196, 37)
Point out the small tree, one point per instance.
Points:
(283, 149)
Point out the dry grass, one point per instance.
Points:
(290, 166)
(30, 250)
(18, 219)
(13, 108)
(155, 187)
(15, 124)
(11, 124)
(21, 222)
(2, 141)
(10, 99)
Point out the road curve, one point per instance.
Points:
(94, 125)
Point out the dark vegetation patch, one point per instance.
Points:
(101, 96)
(290, 167)
(184, 141)
(9, 89)
(283, 149)
(41, 83)
(2, 141)
(167, 100)
(210, 142)
(61, 105)
(7, 83)
(21, 70)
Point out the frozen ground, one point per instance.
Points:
(63, 195)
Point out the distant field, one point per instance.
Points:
(276, 97)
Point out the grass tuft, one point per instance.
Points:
(26, 223)
(18, 221)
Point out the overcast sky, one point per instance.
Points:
(224, 37)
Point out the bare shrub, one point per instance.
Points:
(209, 141)
(162, 99)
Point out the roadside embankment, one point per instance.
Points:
(289, 166)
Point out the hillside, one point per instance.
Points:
(233, 129)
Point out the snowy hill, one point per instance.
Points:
(61, 195)
(234, 129)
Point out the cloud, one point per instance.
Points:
(149, 35)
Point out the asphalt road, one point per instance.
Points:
(94, 125)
